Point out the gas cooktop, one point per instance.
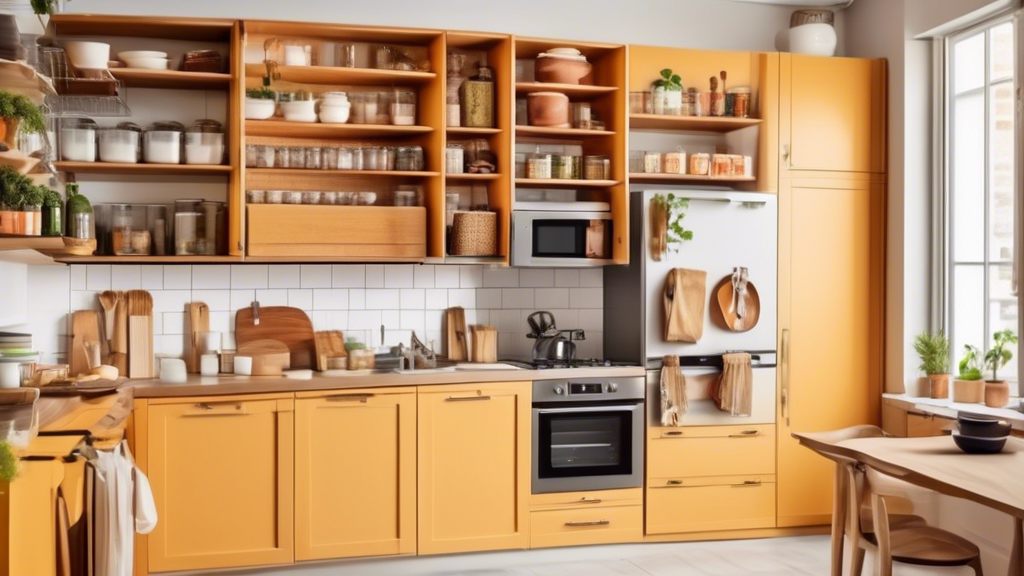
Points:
(561, 364)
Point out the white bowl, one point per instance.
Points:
(259, 108)
(813, 39)
(301, 111)
(132, 54)
(334, 98)
(334, 114)
(147, 63)
(88, 55)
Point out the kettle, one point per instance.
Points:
(551, 344)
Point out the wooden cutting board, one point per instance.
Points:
(287, 325)
(269, 357)
(329, 344)
(455, 329)
(197, 318)
(85, 327)
(485, 344)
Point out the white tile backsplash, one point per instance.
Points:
(354, 298)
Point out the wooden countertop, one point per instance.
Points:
(230, 384)
(945, 408)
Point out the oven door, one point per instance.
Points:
(587, 447)
(561, 238)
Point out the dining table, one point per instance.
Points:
(935, 463)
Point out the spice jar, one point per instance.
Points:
(700, 164)
(122, 143)
(596, 167)
(314, 158)
(675, 162)
(581, 116)
(78, 140)
(204, 143)
(740, 97)
(454, 159)
(562, 166)
(652, 162)
(344, 158)
(162, 145)
(476, 97)
(403, 108)
(538, 166)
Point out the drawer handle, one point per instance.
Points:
(466, 398)
(672, 433)
(589, 523)
(747, 484)
(212, 406)
(349, 398)
(675, 482)
(586, 500)
(745, 434)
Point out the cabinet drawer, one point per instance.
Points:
(590, 499)
(677, 505)
(710, 451)
(602, 525)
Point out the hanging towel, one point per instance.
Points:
(734, 391)
(739, 292)
(684, 297)
(674, 404)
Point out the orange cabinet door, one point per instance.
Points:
(831, 282)
(355, 473)
(832, 114)
(221, 470)
(28, 512)
(474, 467)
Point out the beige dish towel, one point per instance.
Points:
(735, 391)
(674, 404)
(685, 292)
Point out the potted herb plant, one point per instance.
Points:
(667, 94)
(8, 463)
(17, 111)
(997, 392)
(667, 213)
(10, 198)
(933, 349)
(32, 210)
(53, 222)
(969, 385)
(260, 103)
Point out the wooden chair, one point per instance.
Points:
(917, 544)
(842, 512)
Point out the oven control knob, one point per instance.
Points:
(613, 387)
(559, 390)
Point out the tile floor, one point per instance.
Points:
(800, 556)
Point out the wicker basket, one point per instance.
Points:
(801, 17)
(474, 234)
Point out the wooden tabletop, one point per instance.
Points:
(936, 463)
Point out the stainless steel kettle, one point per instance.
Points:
(552, 344)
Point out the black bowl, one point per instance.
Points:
(973, 445)
(981, 427)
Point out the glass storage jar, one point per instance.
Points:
(296, 157)
(252, 153)
(162, 144)
(596, 167)
(561, 166)
(416, 153)
(370, 157)
(314, 158)
(358, 158)
(122, 143)
(204, 143)
(330, 160)
(403, 107)
(186, 233)
(454, 159)
(538, 166)
(636, 161)
(384, 57)
(281, 158)
(383, 109)
(344, 158)
(652, 162)
(212, 227)
(292, 197)
(700, 164)
(78, 140)
(581, 116)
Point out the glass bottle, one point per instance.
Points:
(477, 100)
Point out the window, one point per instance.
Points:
(980, 187)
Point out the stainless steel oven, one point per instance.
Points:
(588, 434)
(561, 237)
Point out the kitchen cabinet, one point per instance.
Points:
(474, 467)
(710, 450)
(28, 508)
(221, 469)
(355, 473)
(832, 114)
(831, 270)
(710, 504)
(591, 517)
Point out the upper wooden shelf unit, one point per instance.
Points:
(690, 123)
(155, 169)
(200, 29)
(337, 76)
(285, 129)
(574, 90)
(175, 79)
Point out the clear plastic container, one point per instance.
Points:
(296, 157)
(204, 143)
(344, 158)
(562, 166)
(594, 167)
(78, 140)
(162, 144)
(265, 155)
(132, 229)
(454, 159)
(186, 233)
(384, 100)
(121, 143)
(403, 108)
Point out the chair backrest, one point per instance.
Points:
(826, 443)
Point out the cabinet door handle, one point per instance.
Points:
(785, 376)
(590, 523)
(466, 398)
(673, 433)
(748, 484)
(785, 154)
(675, 482)
(349, 398)
(745, 434)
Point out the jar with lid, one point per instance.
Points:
(204, 143)
(675, 162)
(330, 158)
(122, 143)
(652, 162)
(383, 109)
(390, 157)
(382, 158)
(538, 166)
(162, 144)
(737, 102)
(520, 165)
(296, 157)
(255, 196)
(408, 195)
(81, 221)
(453, 108)
(311, 197)
(561, 166)
(314, 158)
(403, 107)
(384, 57)
(370, 158)
(416, 153)
(636, 161)
(282, 157)
(344, 158)
(636, 102)
(403, 159)
(581, 116)
(700, 164)
(129, 230)
(186, 233)
(359, 158)
(78, 140)
(454, 159)
(596, 167)
(252, 153)
(476, 97)
(292, 197)
(211, 237)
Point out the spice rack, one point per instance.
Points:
(496, 52)
(131, 32)
(605, 90)
(755, 136)
(275, 232)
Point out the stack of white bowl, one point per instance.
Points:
(147, 59)
(335, 108)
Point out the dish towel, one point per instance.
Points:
(684, 296)
(674, 404)
(735, 390)
(739, 291)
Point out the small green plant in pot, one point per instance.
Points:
(997, 392)
(933, 349)
(16, 191)
(53, 222)
(260, 103)
(969, 385)
(18, 112)
(667, 94)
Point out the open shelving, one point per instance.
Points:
(283, 129)
(141, 168)
(172, 79)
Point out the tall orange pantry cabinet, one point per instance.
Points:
(832, 169)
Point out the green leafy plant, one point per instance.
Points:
(676, 208)
(351, 345)
(35, 195)
(15, 188)
(933, 349)
(263, 93)
(51, 198)
(77, 202)
(16, 106)
(970, 364)
(8, 462)
(1000, 353)
(669, 81)
(44, 7)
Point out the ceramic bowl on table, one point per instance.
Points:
(88, 55)
(973, 445)
(979, 426)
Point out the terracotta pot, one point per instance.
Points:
(561, 70)
(548, 109)
(924, 388)
(969, 391)
(997, 394)
(21, 222)
(938, 385)
(7, 218)
(10, 132)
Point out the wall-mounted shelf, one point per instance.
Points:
(558, 183)
(547, 132)
(690, 123)
(674, 178)
(303, 173)
(337, 76)
(174, 79)
(576, 91)
(285, 129)
(471, 131)
(30, 243)
(147, 259)
(148, 169)
(477, 177)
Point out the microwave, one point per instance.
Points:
(561, 238)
